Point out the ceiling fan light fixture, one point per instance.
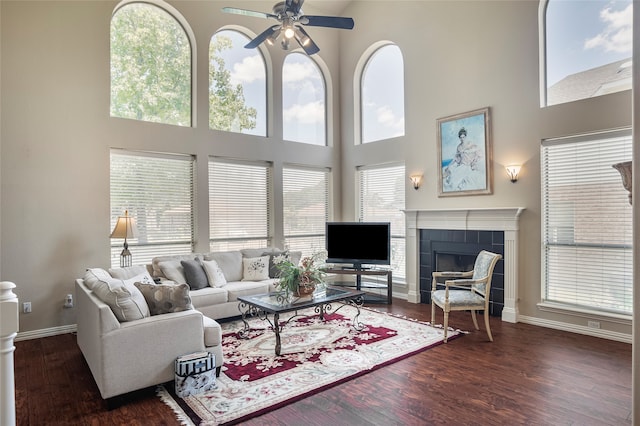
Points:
(302, 38)
(285, 44)
(271, 40)
(289, 32)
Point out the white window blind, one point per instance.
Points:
(382, 200)
(239, 205)
(305, 209)
(587, 223)
(157, 190)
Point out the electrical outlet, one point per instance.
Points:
(593, 324)
(26, 307)
(68, 301)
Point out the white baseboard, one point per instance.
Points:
(46, 332)
(579, 329)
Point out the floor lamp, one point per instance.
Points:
(125, 228)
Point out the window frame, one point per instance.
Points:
(324, 83)
(252, 241)
(285, 236)
(360, 73)
(180, 19)
(400, 277)
(170, 246)
(555, 306)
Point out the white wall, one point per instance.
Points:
(460, 56)
(57, 134)
(56, 131)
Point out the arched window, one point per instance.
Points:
(151, 65)
(587, 49)
(382, 95)
(303, 101)
(237, 85)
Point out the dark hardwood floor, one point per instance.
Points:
(528, 375)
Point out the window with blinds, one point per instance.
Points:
(157, 190)
(239, 205)
(587, 223)
(305, 209)
(382, 200)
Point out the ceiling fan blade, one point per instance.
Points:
(251, 13)
(262, 37)
(303, 39)
(327, 21)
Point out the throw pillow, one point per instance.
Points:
(128, 271)
(93, 275)
(255, 269)
(123, 297)
(173, 270)
(166, 298)
(230, 262)
(195, 275)
(214, 273)
(274, 272)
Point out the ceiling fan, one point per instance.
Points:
(290, 16)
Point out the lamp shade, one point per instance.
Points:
(125, 227)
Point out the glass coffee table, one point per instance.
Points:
(274, 304)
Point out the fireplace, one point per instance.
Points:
(456, 250)
(457, 236)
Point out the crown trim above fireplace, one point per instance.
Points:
(483, 219)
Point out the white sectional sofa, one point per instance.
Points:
(134, 322)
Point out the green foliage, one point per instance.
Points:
(150, 66)
(309, 272)
(227, 109)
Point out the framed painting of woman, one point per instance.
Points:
(464, 154)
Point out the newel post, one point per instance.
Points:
(8, 332)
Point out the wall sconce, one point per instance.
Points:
(416, 181)
(513, 171)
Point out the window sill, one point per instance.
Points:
(558, 308)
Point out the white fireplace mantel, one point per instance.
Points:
(481, 219)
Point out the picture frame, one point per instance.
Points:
(465, 154)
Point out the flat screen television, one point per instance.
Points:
(359, 243)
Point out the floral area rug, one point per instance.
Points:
(315, 355)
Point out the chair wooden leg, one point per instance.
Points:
(446, 325)
(433, 312)
(486, 324)
(475, 321)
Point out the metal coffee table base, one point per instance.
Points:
(249, 309)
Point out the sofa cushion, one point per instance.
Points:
(245, 288)
(229, 261)
(215, 276)
(173, 270)
(256, 252)
(122, 296)
(128, 271)
(155, 262)
(255, 268)
(208, 296)
(194, 273)
(212, 332)
(166, 298)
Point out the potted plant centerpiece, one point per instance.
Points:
(300, 280)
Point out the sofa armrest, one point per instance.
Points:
(141, 353)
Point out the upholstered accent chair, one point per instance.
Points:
(465, 291)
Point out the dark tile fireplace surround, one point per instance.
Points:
(442, 249)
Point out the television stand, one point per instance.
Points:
(360, 286)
